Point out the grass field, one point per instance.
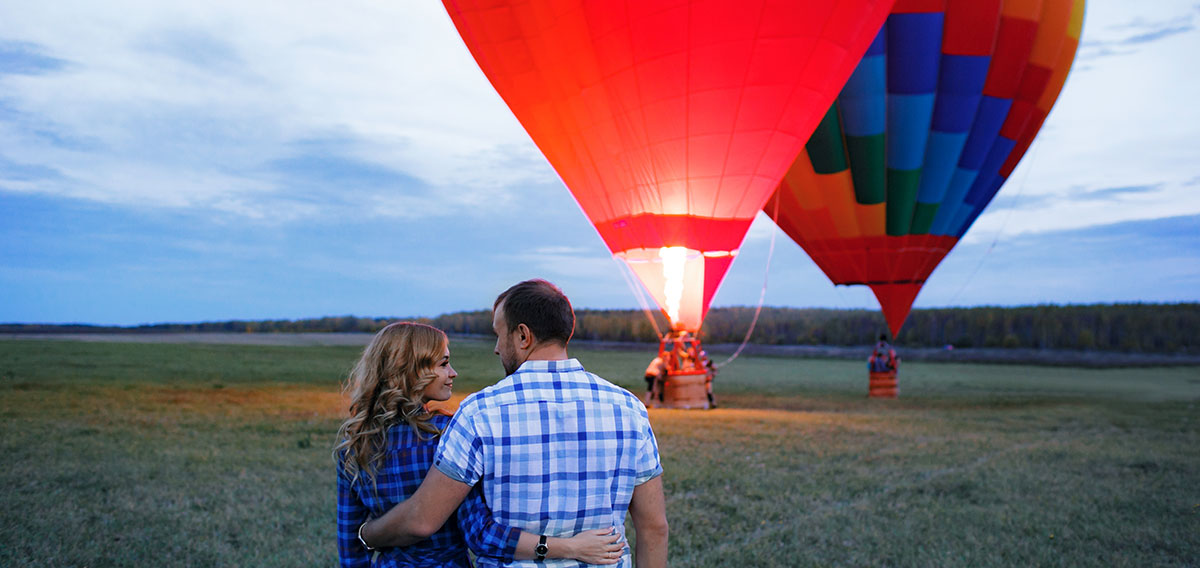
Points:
(218, 455)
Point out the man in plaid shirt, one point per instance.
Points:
(556, 450)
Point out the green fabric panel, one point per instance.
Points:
(867, 167)
(825, 145)
(923, 218)
(902, 188)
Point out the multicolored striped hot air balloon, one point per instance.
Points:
(935, 117)
(670, 121)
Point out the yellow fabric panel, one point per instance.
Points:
(1076, 26)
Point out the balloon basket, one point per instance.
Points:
(883, 385)
(685, 389)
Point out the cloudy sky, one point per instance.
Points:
(178, 162)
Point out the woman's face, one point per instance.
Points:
(443, 384)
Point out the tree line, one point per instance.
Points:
(1146, 328)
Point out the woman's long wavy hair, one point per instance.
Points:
(385, 387)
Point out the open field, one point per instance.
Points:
(1060, 357)
(127, 454)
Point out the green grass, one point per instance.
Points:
(218, 455)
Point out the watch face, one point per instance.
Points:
(542, 549)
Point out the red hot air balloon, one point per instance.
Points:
(670, 121)
(935, 117)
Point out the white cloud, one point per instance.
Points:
(188, 105)
(577, 263)
(175, 104)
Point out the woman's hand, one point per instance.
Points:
(597, 546)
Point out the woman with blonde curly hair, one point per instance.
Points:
(386, 447)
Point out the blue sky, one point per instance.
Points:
(220, 160)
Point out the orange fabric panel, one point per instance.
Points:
(1052, 34)
(872, 219)
(841, 203)
(1023, 9)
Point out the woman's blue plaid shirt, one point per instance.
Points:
(406, 462)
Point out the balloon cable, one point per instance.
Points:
(761, 295)
(637, 293)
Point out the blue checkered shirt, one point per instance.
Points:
(556, 449)
(405, 464)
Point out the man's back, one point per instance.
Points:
(557, 450)
(656, 367)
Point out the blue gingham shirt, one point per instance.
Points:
(405, 464)
(556, 449)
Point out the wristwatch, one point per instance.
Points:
(541, 549)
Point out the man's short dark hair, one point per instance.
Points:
(542, 307)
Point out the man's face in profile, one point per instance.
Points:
(504, 341)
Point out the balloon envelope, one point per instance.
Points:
(935, 117)
(671, 122)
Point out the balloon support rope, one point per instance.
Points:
(626, 273)
(761, 295)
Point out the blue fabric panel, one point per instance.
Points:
(960, 183)
(863, 102)
(955, 113)
(988, 192)
(879, 44)
(914, 45)
(959, 90)
(962, 220)
(963, 74)
(941, 158)
(966, 221)
(989, 119)
(981, 189)
(908, 127)
(975, 211)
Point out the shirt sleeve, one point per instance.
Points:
(351, 514)
(485, 536)
(648, 464)
(460, 452)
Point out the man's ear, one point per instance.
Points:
(524, 336)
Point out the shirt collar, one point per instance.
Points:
(559, 366)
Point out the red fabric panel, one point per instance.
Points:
(896, 301)
(971, 27)
(942, 243)
(918, 6)
(1032, 126)
(715, 270)
(1018, 116)
(661, 113)
(909, 261)
(880, 260)
(654, 231)
(1013, 46)
(671, 122)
